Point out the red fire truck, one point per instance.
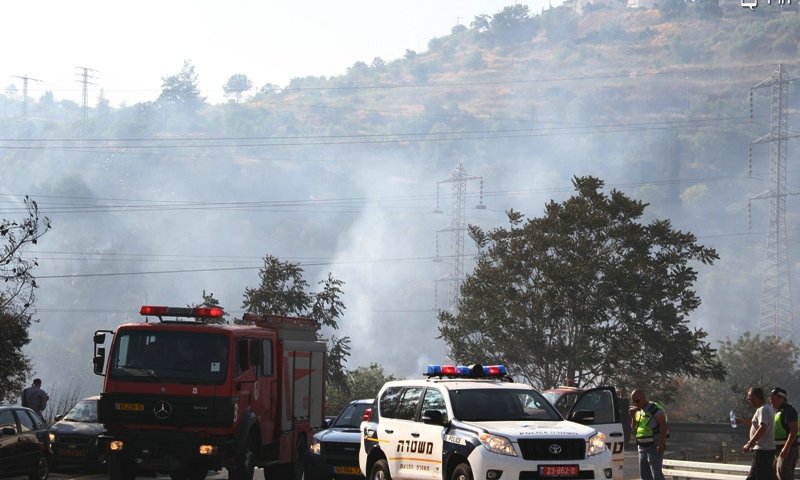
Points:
(184, 396)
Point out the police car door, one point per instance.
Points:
(603, 401)
(430, 429)
(408, 455)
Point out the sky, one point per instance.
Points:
(131, 46)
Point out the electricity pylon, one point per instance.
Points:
(457, 229)
(776, 316)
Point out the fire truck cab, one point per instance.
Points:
(187, 396)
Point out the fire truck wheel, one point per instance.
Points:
(380, 471)
(298, 464)
(121, 470)
(245, 465)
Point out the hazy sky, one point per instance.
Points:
(132, 45)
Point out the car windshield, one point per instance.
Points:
(351, 416)
(84, 411)
(562, 401)
(504, 404)
(182, 357)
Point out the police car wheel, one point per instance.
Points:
(380, 471)
(462, 472)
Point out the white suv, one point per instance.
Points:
(473, 422)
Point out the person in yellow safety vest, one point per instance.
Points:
(785, 434)
(649, 423)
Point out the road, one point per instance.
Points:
(631, 472)
(82, 475)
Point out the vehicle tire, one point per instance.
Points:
(121, 470)
(245, 464)
(380, 471)
(297, 469)
(41, 470)
(462, 472)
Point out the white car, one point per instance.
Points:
(609, 417)
(471, 422)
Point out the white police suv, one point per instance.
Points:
(465, 423)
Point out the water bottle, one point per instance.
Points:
(733, 419)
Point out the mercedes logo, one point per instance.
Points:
(163, 410)
(554, 448)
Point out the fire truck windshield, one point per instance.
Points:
(170, 356)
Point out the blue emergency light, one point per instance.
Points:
(463, 371)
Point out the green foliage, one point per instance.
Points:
(17, 297)
(363, 382)
(236, 86)
(560, 23)
(283, 291)
(750, 361)
(182, 90)
(601, 297)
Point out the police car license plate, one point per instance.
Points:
(342, 470)
(559, 471)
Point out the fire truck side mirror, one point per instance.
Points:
(99, 338)
(99, 360)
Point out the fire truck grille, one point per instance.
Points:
(165, 410)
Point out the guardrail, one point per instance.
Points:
(704, 470)
(707, 470)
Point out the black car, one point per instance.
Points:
(74, 435)
(333, 452)
(24, 445)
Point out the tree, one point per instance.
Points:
(587, 293)
(17, 297)
(283, 291)
(750, 361)
(236, 86)
(182, 90)
(363, 382)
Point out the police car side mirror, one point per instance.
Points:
(585, 417)
(327, 422)
(432, 417)
(9, 431)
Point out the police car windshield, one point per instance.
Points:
(181, 357)
(495, 404)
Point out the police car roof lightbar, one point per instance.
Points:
(463, 371)
(197, 312)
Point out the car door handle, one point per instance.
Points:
(615, 434)
(389, 431)
(415, 435)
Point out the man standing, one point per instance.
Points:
(649, 423)
(785, 434)
(35, 398)
(762, 437)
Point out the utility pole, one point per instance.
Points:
(776, 315)
(24, 114)
(83, 78)
(457, 229)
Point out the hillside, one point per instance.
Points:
(343, 173)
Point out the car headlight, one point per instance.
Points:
(497, 444)
(314, 447)
(52, 436)
(596, 445)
